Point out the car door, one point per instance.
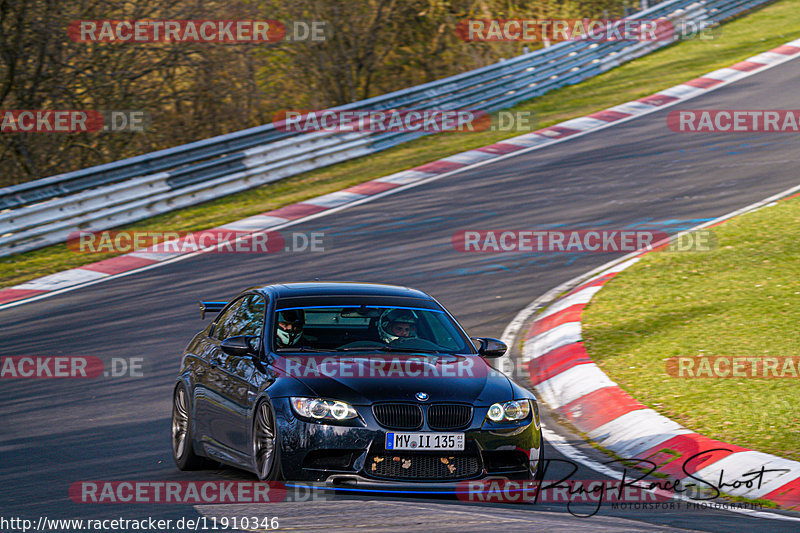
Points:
(233, 378)
(211, 381)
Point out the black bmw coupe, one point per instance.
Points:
(349, 383)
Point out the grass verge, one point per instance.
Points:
(766, 28)
(738, 300)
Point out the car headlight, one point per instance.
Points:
(319, 409)
(509, 411)
(537, 422)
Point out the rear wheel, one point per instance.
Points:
(265, 444)
(182, 432)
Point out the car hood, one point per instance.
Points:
(364, 379)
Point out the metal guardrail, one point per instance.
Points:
(46, 211)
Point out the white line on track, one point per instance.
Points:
(414, 184)
(564, 448)
(513, 328)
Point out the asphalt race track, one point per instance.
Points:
(637, 174)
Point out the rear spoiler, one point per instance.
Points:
(211, 307)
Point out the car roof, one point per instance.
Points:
(326, 288)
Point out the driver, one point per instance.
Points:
(290, 327)
(397, 323)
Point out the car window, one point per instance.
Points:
(224, 320)
(367, 327)
(442, 333)
(244, 317)
(250, 316)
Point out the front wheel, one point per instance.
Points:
(266, 451)
(539, 475)
(182, 432)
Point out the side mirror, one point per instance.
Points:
(240, 346)
(491, 348)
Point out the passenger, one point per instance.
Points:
(397, 323)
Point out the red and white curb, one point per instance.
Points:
(336, 201)
(567, 379)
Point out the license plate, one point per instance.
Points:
(425, 441)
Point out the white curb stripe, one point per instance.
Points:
(529, 139)
(583, 123)
(548, 341)
(620, 267)
(572, 384)
(767, 58)
(335, 199)
(683, 91)
(580, 297)
(567, 450)
(254, 223)
(406, 176)
(636, 432)
(725, 74)
(620, 433)
(411, 178)
(472, 156)
(737, 465)
(632, 108)
(59, 280)
(153, 256)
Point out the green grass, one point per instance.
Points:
(739, 300)
(764, 29)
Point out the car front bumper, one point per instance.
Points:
(356, 454)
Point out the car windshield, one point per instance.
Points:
(367, 328)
